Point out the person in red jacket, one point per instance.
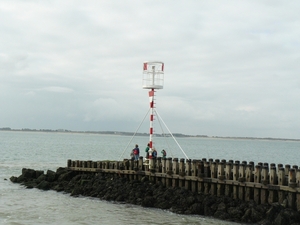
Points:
(136, 152)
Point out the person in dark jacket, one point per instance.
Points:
(164, 153)
(147, 151)
(154, 153)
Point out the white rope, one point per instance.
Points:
(134, 134)
(164, 135)
(172, 135)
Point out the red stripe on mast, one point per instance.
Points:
(151, 93)
(151, 117)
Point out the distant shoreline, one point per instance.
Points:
(144, 134)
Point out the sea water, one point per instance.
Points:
(50, 150)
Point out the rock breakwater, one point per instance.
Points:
(143, 192)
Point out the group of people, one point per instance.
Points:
(150, 153)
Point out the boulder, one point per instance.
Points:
(147, 194)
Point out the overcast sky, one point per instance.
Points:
(231, 67)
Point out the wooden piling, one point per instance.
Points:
(298, 186)
(249, 178)
(264, 181)
(257, 175)
(181, 172)
(175, 167)
(273, 180)
(221, 177)
(235, 173)
(228, 176)
(292, 183)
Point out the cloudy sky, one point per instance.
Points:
(231, 67)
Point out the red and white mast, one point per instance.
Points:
(153, 78)
(151, 99)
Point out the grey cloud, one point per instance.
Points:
(230, 68)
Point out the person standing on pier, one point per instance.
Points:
(164, 154)
(154, 153)
(147, 151)
(136, 152)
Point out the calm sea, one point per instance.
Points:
(44, 151)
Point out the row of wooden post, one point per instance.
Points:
(263, 183)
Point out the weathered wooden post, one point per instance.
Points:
(89, 163)
(126, 164)
(175, 172)
(187, 181)
(104, 165)
(264, 181)
(200, 169)
(287, 169)
(200, 174)
(241, 180)
(151, 164)
(107, 164)
(214, 174)
(221, 171)
(257, 175)
(228, 176)
(146, 165)
(163, 170)
(298, 186)
(181, 173)
(281, 182)
(140, 165)
(131, 164)
(273, 181)
(235, 172)
(158, 166)
(117, 165)
(194, 175)
(126, 167)
(228, 170)
(135, 165)
(84, 164)
(292, 184)
(163, 165)
(111, 165)
(206, 177)
(295, 167)
(221, 177)
(188, 168)
(249, 178)
(69, 163)
(152, 169)
(169, 171)
(99, 164)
